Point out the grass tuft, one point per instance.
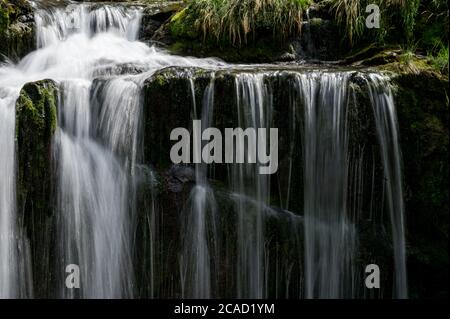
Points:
(237, 22)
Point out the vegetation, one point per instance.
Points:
(239, 30)
(433, 32)
(440, 60)
(417, 25)
(351, 15)
(236, 22)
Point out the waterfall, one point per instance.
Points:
(329, 236)
(387, 132)
(56, 25)
(96, 146)
(15, 273)
(8, 233)
(94, 222)
(200, 227)
(91, 51)
(94, 226)
(254, 111)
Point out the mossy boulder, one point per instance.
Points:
(36, 116)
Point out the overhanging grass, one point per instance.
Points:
(237, 22)
(351, 16)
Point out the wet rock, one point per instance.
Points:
(35, 125)
(110, 69)
(168, 99)
(319, 40)
(422, 108)
(177, 176)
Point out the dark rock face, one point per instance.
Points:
(163, 93)
(163, 112)
(35, 125)
(422, 107)
(177, 176)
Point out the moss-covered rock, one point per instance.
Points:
(36, 117)
(181, 42)
(17, 31)
(154, 14)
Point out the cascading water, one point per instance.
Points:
(254, 111)
(200, 242)
(93, 191)
(8, 253)
(56, 25)
(387, 131)
(329, 237)
(95, 160)
(91, 51)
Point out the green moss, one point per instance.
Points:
(35, 125)
(160, 80)
(181, 25)
(37, 106)
(4, 19)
